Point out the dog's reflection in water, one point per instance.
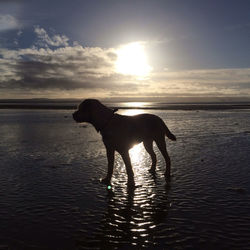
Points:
(133, 215)
(120, 133)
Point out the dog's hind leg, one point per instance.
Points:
(148, 144)
(129, 169)
(111, 156)
(161, 144)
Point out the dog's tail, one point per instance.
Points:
(169, 134)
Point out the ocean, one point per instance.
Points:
(51, 196)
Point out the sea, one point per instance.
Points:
(51, 196)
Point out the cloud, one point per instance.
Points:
(68, 68)
(55, 40)
(62, 68)
(220, 82)
(8, 22)
(91, 70)
(58, 69)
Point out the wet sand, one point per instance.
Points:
(51, 197)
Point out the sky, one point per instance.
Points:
(125, 49)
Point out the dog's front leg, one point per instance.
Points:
(111, 157)
(129, 169)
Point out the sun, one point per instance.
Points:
(132, 60)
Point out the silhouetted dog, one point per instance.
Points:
(120, 133)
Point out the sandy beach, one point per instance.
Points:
(51, 197)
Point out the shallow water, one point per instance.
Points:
(51, 197)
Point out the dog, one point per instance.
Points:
(121, 132)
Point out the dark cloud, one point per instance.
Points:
(64, 68)
(39, 83)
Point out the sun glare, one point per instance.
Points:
(136, 154)
(132, 60)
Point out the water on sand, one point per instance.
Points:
(51, 197)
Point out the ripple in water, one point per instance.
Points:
(51, 197)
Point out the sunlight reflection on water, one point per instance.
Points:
(131, 112)
(137, 154)
(137, 104)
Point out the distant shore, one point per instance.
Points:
(155, 106)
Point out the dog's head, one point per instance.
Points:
(94, 112)
(85, 109)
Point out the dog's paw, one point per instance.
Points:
(105, 181)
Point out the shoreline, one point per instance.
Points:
(182, 106)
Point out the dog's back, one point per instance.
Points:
(152, 126)
(135, 129)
